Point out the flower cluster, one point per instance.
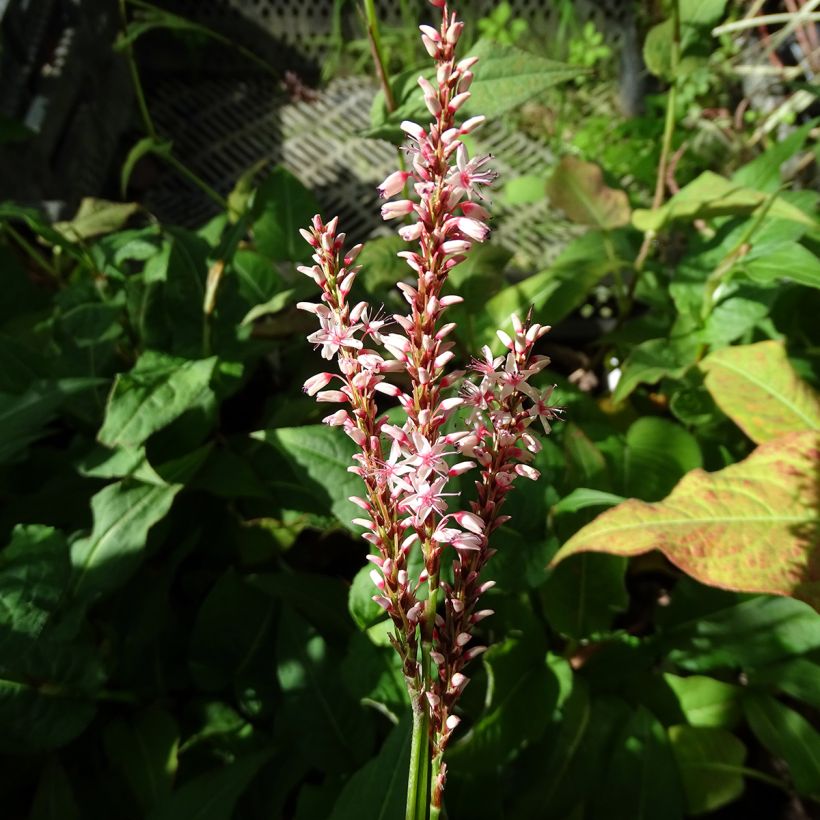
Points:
(407, 469)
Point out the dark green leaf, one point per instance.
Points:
(706, 702)
(54, 798)
(123, 514)
(144, 749)
(213, 795)
(381, 782)
(789, 736)
(157, 391)
(280, 207)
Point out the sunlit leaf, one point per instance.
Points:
(751, 526)
(756, 386)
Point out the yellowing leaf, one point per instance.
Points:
(751, 527)
(578, 189)
(756, 386)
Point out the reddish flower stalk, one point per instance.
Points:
(406, 469)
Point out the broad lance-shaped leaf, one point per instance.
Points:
(510, 76)
(156, 392)
(756, 386)
(123, 514)
(712, 195)
(751, 527)
(578, 189)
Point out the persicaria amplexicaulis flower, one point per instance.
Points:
(410, 500)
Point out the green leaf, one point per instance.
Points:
(510, 76)
(745, 636)
(212, 795)
(749, 527)
(787, 735)
(95, 217)
(329, 728)
(658, 453)
(583, 497)
(157, 391)
(23, 418)
(381, 268)
(792, 262)
(640, 780)
(363, 609)
(144, 749)
(553, 293)
(522, 693)
(653, 360)
(47, 684)
(578, 189)
(583, 595)
(763, 172)
(796, 677)
(381, 782)
(701, 13)
(657, 49)
(710, 762)
(123, 514)
(756, 386)
(706, 702)
(54, 798)
(712, 195)
(231, 636)
(319, 457)
(282, 205)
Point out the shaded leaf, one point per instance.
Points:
(54, 798)
(751, 526)
(282, 205)
(794, 262)
(796, 677)
(213, 795)
(381, 782)
(123, 514)
(157, 391)
(744, 636)
(658, 453)
(144, 749)
(319, 457)
(583, 497)
(578, 189)
(710, 762)
(652, 360)
(756, 386)
(522, 694)
(789, 736)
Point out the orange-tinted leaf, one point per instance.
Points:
(750, 527)
(756, 386)
(578, 189)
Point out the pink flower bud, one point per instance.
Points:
(393, 184)
(400, 207)
(331, 396)
(459, 100)
(470, 521)
(316, 383)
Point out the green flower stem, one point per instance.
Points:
(419, 757)
(47, 266)
(666, 143)
(200, 183)
(375, 39)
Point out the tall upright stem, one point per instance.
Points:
(666, 144)
(417, 779)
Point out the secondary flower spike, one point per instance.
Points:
(410, 466)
